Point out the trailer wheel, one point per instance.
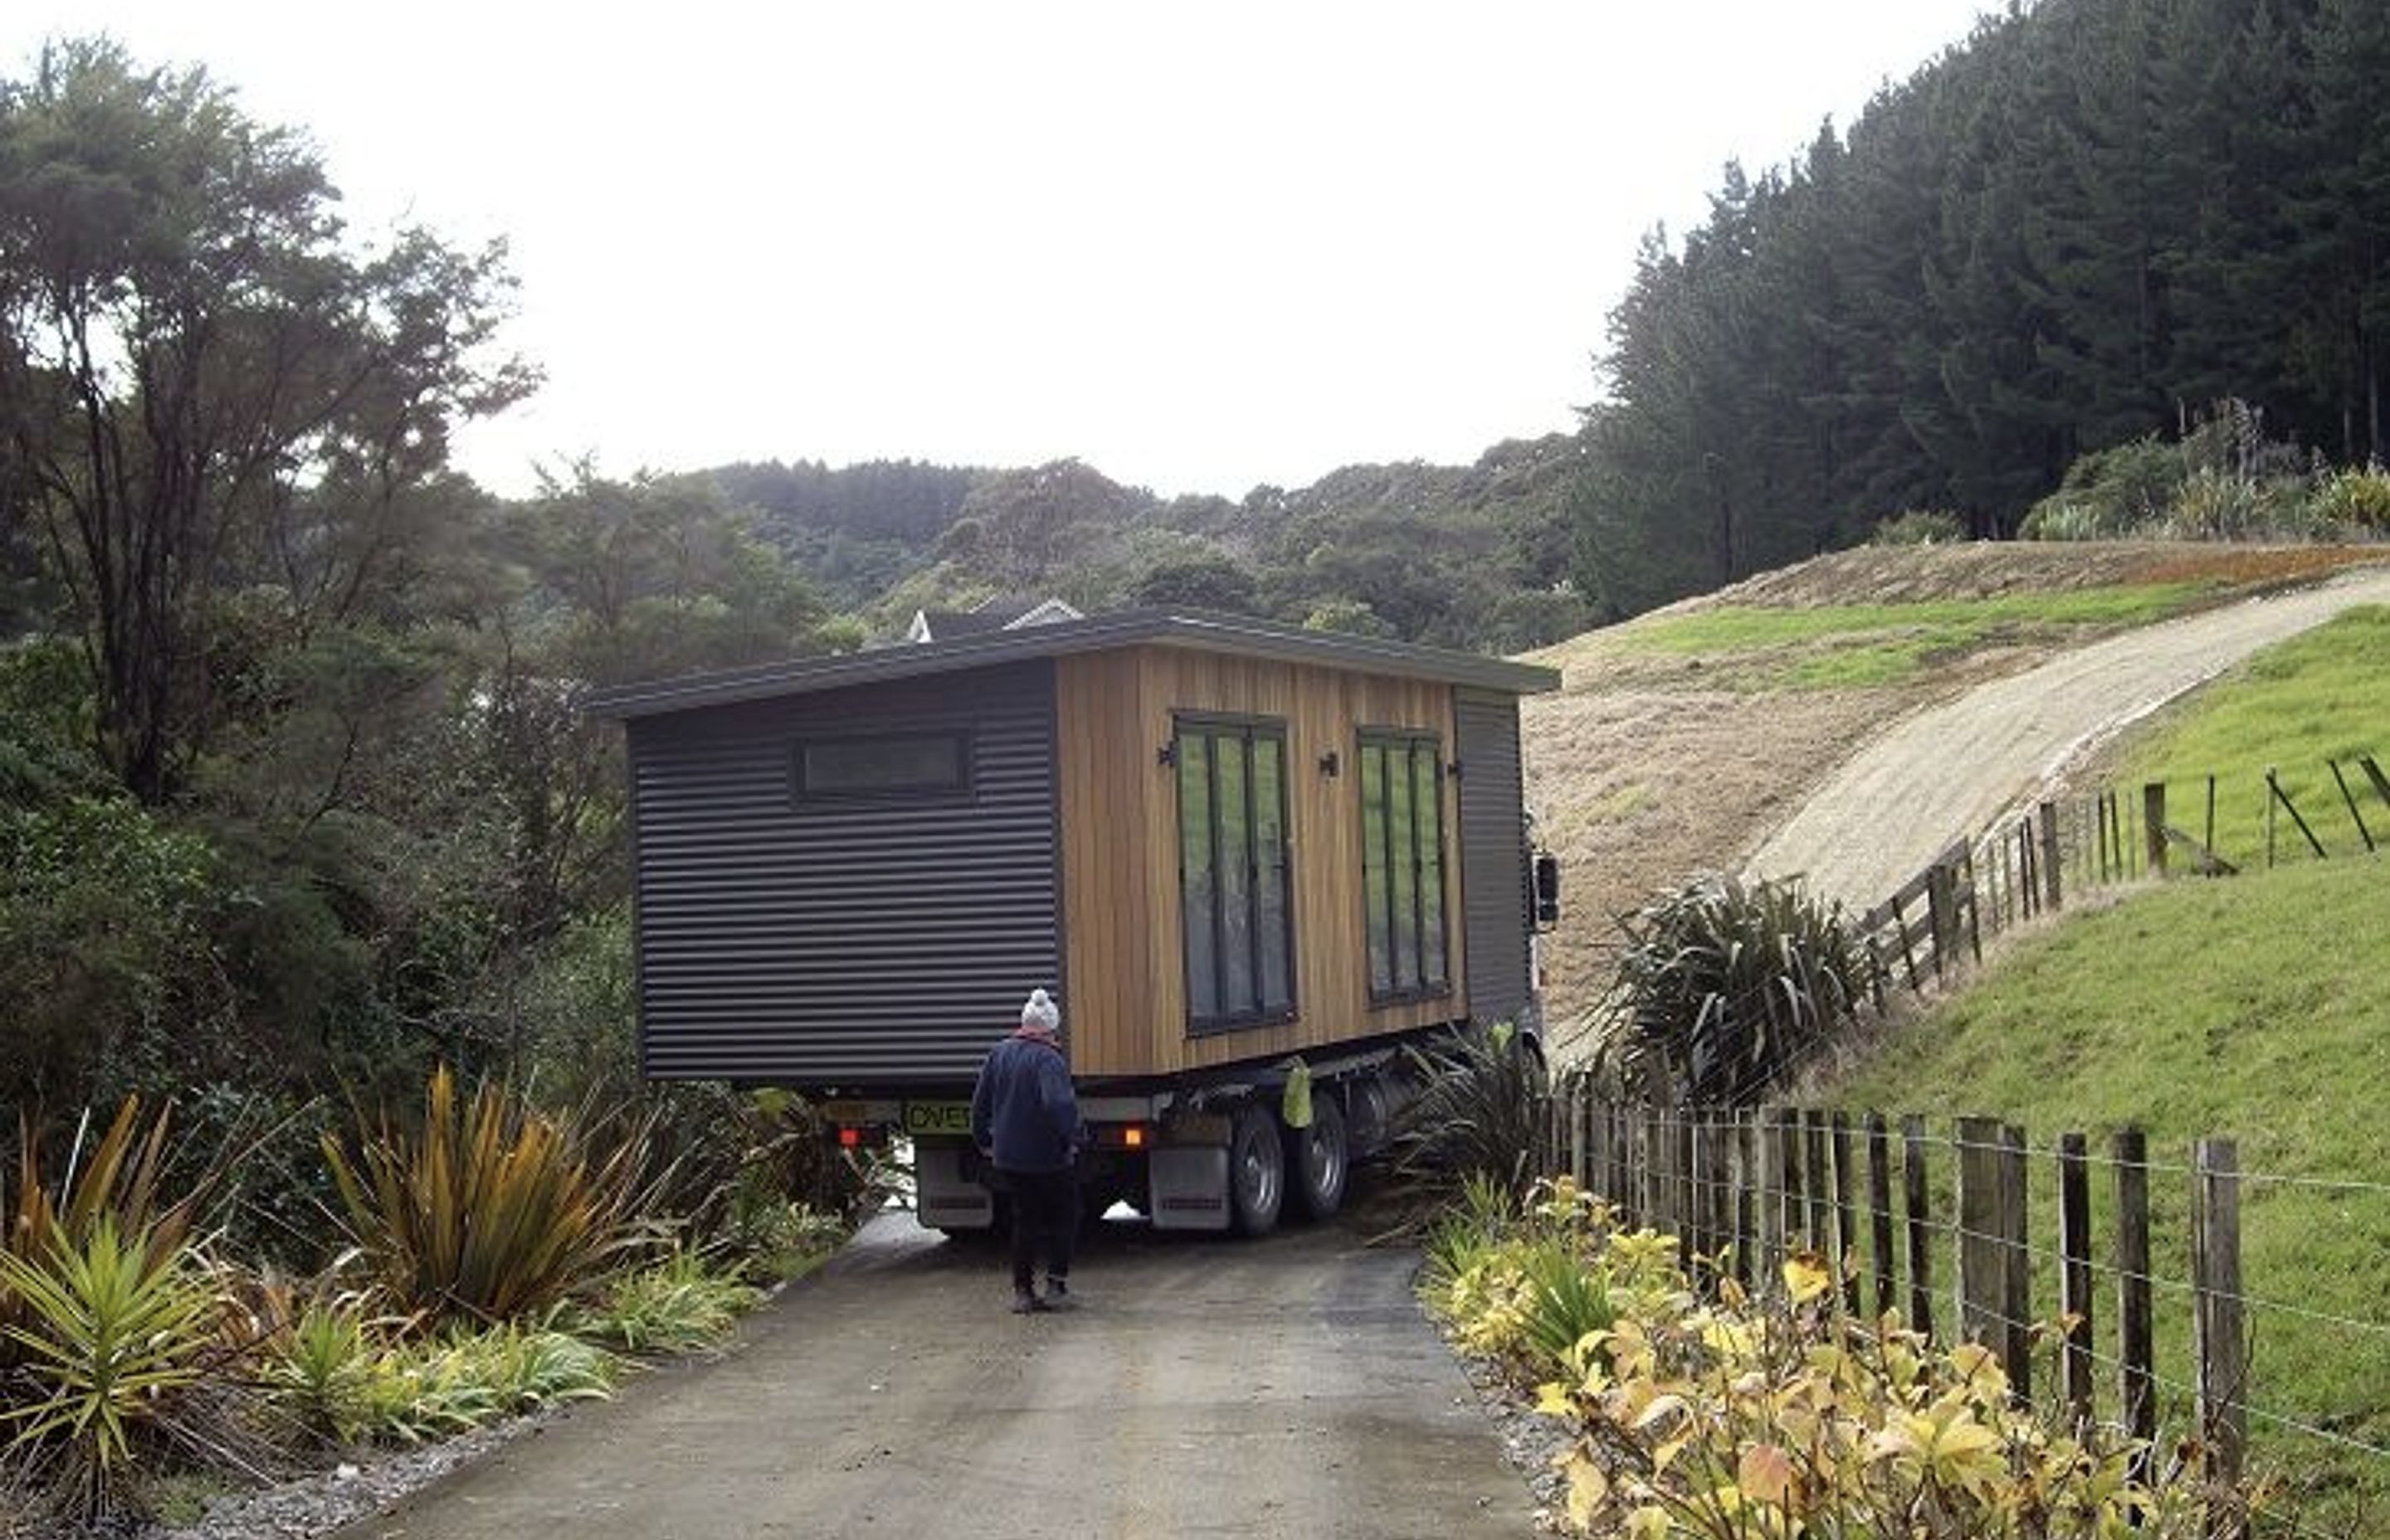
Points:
(1372, 1123)
(1256, 1172)
(1320, 1158)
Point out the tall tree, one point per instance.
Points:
(202, 384)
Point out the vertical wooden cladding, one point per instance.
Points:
(1122, 931)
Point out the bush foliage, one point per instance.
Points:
(1477, 1114)
(1724, 985)
(1705, 1413)
(492, 1209)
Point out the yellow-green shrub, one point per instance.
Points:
(1729, 1418)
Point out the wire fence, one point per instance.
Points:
(2105, 1279)
(2029, 865)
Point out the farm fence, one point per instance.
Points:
(2025, 867)
(1939, 1227)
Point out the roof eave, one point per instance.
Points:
(1128, 628)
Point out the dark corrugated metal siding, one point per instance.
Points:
(1493, 854)
(871, 944)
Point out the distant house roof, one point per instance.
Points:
(1004, 612)
(1189, 628)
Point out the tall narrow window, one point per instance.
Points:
(1402, 864)
(1232, 872)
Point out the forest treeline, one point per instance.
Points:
(293, 793)
(2090, 222)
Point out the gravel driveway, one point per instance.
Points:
(1953, 768)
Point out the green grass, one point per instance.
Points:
(1879, 644)
(2323, 696)
(2255, 1009)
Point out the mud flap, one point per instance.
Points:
(946, 1190)
(1191, 1188)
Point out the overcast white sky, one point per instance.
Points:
(1199, 247)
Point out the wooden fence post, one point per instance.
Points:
(1700, 1164)
(1597, 1150)
(2075, 1274)
(2153, 818)
(1818, 1182)
(2016, 1306)
(1846, 1240)
(2381, 782)
(1622, 1158)
(1768, 1169)
(1879, 1163)
(2219, 1332)
(1992, 1263)
(1652, 1189)
(2135, 1381)
(1746, 1200)
(1684, 1151)
(2274, 790)
(1580, 1166)
(1921, 1226)
(2052, 888)
(2350, 798)
(1974, 905)
(1937, 913)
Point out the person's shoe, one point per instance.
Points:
(1025, 1302)
(1057, 1296)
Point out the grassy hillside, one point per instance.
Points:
(1678, 740)
(2324, 697)
(2257, 1007)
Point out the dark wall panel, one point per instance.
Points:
(871, 945)
(1493, 858)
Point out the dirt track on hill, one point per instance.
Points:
(1953, 768)
(1648, 765)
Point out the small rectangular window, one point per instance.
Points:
(1402, 864)
(894, 764)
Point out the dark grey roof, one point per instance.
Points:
(1204, 632)
(962, 622)
(1002, 609)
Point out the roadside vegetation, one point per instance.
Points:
(1691, 1407)
(492, 1258)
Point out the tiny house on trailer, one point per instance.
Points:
(1233, 852)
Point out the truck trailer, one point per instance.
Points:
(1239, 855)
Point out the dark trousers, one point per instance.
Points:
(1045, 1220)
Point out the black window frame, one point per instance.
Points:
(1188, 730)
(954, 788)
(1415, 748)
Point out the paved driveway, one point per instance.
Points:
(1206, 1387)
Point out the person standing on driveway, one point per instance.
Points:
(1025, 1121)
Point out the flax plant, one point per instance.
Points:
(1725, 986)
(492, 1209)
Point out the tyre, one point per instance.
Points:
(1319, 1159)
(1372, 1122)
(1256, 1172)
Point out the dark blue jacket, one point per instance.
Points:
(1024, 1114)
